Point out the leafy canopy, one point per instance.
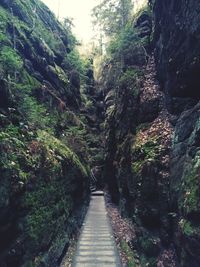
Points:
(111, 16)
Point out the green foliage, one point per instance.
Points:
(49, 167)
(4, 39)
(126, 39)
(76, 139)
(32, 110)
(127, 45)
(150, 150)
(186, 227)
(189, 191)
(61, 149)
(150, 247)
(129, 253)
(3, 19)
(73, 61)
(137, 166)
(111, 16)
(61, 74)
(10, 61)
(50, 208)
(68, 25)
(150, 262)
(14, 159)
(88, 103)
(131, 79)
(26, 86)
(30, 107)
(41, 174)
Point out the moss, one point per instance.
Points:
(15, 161)
(26, 86)
(186, 227)
(77, 139)
(3, 18)
(137, 166)
(4, 40)
(33, 110)
(49, 209)
(56, 178)
(61, 149)
(61, 74)
(129, 253)
(189, 190)
(10, 61)
(43, 181)
(52, 38)
(131, 79)
(142, 152)
(150, 262)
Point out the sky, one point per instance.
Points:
(80, 11)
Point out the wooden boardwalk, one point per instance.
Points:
(96, 246)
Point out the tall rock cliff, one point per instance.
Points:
(177, 39)
(152, 132)
(44, 155)
(51, 117)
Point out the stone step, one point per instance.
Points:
(97, 193)
(96, 246)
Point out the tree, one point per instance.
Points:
(111, 16)
(68, 25)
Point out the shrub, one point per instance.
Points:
(10, 61)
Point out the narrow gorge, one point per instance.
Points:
(125, 120)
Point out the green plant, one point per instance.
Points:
(150, 150)
(124, 40)
(189, 199)
(131, 79)
(128, 252)
(73, 61)
(32, 110)
(10, 61)
(3, 18)
(186, 227)
(61, 149)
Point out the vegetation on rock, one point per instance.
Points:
(44, 174)
(137, 128)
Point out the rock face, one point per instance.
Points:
(185, 187)
(152, 155)
(5, 94)
(177, 38)
(177, 42)
(44, 177)
(41, 42)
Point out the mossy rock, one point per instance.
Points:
(150, 246)
(189, 192)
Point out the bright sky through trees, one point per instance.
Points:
(79, 10)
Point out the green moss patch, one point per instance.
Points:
(129, 253)
(189, 191)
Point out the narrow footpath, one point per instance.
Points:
(96, 245)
